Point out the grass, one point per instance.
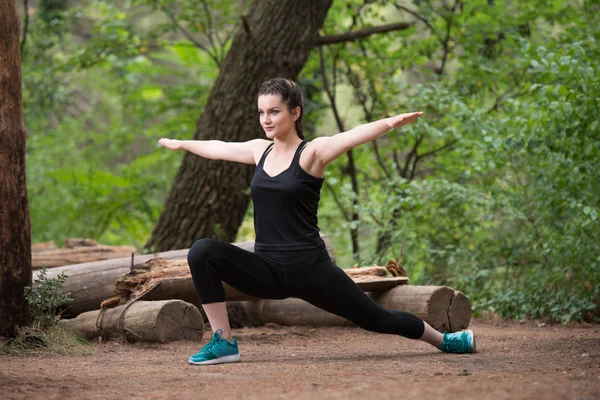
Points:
(53, 340)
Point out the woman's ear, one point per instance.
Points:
(296, 113)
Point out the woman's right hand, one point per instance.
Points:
(172, 144)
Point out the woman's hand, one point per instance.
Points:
(172, 144)
(403, 119)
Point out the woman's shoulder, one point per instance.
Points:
(259, 146)
(309, 161)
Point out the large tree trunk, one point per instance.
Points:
(15, 228)
(208, 198)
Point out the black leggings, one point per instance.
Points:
(306, 274)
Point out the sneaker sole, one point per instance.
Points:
(220, 360)
(473, 341)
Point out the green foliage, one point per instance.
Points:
(44, 303)
(493, 191)
(508, 213)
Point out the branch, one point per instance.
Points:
(337, 201)
(211, 26)
(188, 35)
(397, 163)
(431, 152)
(361, 33)
(417, 16)
(356, 16)
(418, 157)
(330, 95)
(409, 157)
(379, 160)
(508, 91)
(448, 31)
(355, 82)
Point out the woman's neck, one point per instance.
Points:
(287, 143)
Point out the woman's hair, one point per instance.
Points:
(290, 94)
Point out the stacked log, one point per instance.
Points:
(92, 283)
(164, 279)
(160, 279)
(155, 295)
(76, 251)
(148, 321)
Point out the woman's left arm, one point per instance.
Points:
(329, 148)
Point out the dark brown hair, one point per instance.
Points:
(290, 94)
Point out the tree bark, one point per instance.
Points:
(208, 198)
(15, 228)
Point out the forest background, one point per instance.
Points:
(494, 191)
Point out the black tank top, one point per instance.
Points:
(285, 206)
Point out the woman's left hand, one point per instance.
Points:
(403, 119)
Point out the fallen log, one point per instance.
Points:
(148, 321)
(43, 246)
(92, 283)
(445, 309)
(80, 242)
(170, 279)
(290, 312)
(430, 303)
(77, 255)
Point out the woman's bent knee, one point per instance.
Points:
(200, 250)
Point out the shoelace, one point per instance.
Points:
(215, 338)
(454, 342)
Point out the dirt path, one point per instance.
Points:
(515, 361)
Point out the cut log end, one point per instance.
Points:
(459, 312)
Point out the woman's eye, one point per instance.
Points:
(274, 112)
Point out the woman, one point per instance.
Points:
(290, 259)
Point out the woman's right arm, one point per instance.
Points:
(243, 152)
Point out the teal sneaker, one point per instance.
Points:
(458, 342)
(217, 351)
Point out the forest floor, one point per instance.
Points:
(514, 361)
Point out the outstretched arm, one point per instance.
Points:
(329, 148)
(242, 152)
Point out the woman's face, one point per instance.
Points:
(275, 117)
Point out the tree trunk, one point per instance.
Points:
(148, 321)
(15, 228)
(208, 198)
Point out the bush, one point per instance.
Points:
(44, 304)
